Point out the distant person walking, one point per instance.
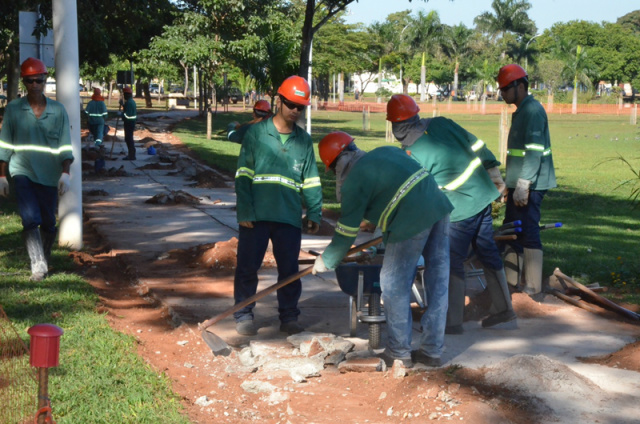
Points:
(35, 143)
(97, 113)
(129, 117)
(530, 173)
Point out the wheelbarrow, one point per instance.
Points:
(362, 283)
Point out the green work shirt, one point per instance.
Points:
(236, 135)
(458, 161)
(36, 147)
(529, 147)
(274, 179)
(389, 188)
(130, 111)
(96, 111)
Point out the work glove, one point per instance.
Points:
(494, 173)
(63, 184)
(319, 266)
(4, 187)
(310, 227)
(521, 193)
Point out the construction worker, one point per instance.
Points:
(468, 174)
(530, 173)
(261, 111)
(129, 117)
(387, 187)
(35, 142)
(276, 172)
(97, 113)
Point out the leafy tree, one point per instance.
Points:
(577, 66)
(631, 21)
(508, 17)
(456, 47)
(426, 31)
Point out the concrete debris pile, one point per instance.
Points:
(174, 198)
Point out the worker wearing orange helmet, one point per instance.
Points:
(276, 173)
(468, 174)
(261, 111)
(35, 143)
(530, 173)
(97, 113)
(389, 188)
(129, 117)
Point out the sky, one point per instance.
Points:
(544, 13)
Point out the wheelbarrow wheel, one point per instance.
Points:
(353, 309)
(375, 310)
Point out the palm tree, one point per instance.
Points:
(577, 66)
(456, 47)
(426, 30)
(510, 16)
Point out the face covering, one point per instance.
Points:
(408, 131)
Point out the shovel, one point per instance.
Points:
(219, 346)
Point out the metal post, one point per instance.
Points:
(65, 34)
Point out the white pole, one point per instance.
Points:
(195, 88)
(309, 77)
(65, 36)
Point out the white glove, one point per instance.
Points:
(521, 193)
(494, 173)
(4, 187)
(63, 184)
(319, 266)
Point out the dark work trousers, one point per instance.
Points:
(252, 246)
(37, 204)
(129, 127)
(529, 238)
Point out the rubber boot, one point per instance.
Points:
(501, 308)
(47, 243)
(455, 312)
(36, 254)
(512, 266)
(532, 271)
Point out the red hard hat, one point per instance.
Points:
(401, 107)
(127, 90)
(510, 73)
(296, 89)
(32, 66)
(262, 105)
(332, 145)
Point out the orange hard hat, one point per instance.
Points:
(296, 89)
(401, 107)
(510, 73)
(127, 90)
(32, 66)
(262, 105)
(332, 145)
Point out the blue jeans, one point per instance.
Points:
(477, 232)
(529, 238)
(37, 204)
(252, 246)
(396, 278)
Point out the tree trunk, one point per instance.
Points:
(307, 38)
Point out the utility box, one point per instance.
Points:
(45, 345)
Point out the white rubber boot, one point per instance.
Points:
(512, 266)
(39, 266)
(532, 271)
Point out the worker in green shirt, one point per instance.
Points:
(261, 111)
(530, 173)
(468, 174)
(96, 111)
(129, 117)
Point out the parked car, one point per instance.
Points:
(155, 89)
(235, 95)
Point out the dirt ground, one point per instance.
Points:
(212, 388)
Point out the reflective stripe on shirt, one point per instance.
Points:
(534, 147)
(464, 176)
(35, 148)
(346, 230)
(477, 145)
(402, 191)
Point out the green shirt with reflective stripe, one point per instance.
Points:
(390, 189)
(96, 111)
(458, 161)
(274, 179)
(36, 147)
(130, 112)
(529, 154)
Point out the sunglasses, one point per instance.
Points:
(292, 105)
(506, 88)
(32, 80)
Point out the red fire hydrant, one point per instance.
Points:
(44, 354)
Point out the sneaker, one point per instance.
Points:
(424, 359)
(291, 327)
(246, 328)
(499, 318)
(388, 359)
(454, 329)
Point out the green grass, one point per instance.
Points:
(100, 379)
(601, 233)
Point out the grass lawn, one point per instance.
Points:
(101, 379)
(601, 233)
